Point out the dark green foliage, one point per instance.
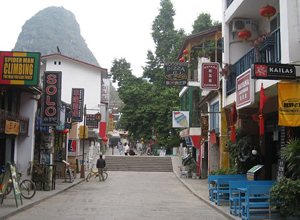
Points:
(222, 171)
(52, 27)
(240, 151)
(285, 195)
(203, 22)
(291, 153)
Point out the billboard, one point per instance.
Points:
(19, 68)
(51, 98)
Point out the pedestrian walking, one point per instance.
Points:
(120, 147)
(100, 165)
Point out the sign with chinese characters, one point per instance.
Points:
(111, 123)
(209, 79)
(176, 74)
(11, 127)
(105, 87)
(273, 71)
(51, 98)
(91, 121)
(204, 129)
(19, 68)
(77, 104)
(244, 90)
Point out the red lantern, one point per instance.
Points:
(181, 60)
(244, 35)
(105, 139)
(185, 51)
(66, 131)
(267, 12)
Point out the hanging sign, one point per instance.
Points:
(289, 104)
(19, 68)
(11, 127)
(77, 104)
(181, 119)
(91, 121)
(176, 73)
(51, 98)
(244, 90)
(210, 76)
(273, 71)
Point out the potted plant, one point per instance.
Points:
(285, 196)
(41, 176)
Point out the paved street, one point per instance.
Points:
(124, 195)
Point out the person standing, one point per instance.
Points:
(120, 147)
(100, 165)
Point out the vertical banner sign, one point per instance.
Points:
(289, 104)
(19, 68)
(111, 123)
(105, 90)
(51, 98)
(204, 129)
(176, 74)
(244, 90)
(77, 104)
(59, 149)
(102, 130)
(61, 125)
(210, 76)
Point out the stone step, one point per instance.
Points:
(139, 164)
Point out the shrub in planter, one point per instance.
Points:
(285, 196)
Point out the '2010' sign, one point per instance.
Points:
(51, 98)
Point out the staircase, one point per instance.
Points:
(139, 164)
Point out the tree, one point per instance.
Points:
(203, 22)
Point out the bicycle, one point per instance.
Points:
(96, 174)
(27, 187)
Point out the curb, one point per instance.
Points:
(203, 200)
(21, 209)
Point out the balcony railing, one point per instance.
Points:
(8, 116)
(269, 52)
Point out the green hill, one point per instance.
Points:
(53, 28)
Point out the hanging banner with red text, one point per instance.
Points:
(289, 104)
(77, 104)
(51, 98)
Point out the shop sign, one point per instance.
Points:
(11, 127)
(111, 123)
(77, 104)
(244, 90)
(273, 71)
(180, 119)
(189, 141)
(51, 98)
(210, 76)
(204, 129)
(176, 73)
(105, 90)
(91, 121)
(19, 68)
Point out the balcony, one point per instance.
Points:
(23, 121)
(269, 52)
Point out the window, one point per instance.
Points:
(214, 117)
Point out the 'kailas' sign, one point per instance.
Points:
(273, 71)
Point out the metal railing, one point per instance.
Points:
(269, 53)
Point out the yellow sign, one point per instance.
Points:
(289, 104)
(81, 130)
(12, 127)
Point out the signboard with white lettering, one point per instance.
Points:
(77, 104)
(244, 90)
(210, 76)
(273, 71)
(176, 73)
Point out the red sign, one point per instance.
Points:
(210, 76)
(51, 98)
(244, 90)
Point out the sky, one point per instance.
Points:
(112, 29)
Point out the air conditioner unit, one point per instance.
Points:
(241, 24)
